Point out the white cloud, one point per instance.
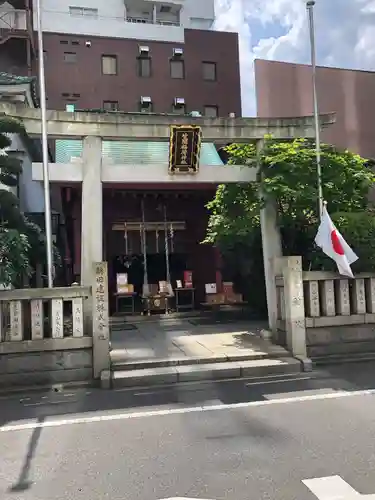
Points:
(278, 30)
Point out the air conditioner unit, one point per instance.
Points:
(144, 50)
(178, 52)
(179, 101)
(146, 100)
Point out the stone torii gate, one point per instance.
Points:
(92, 171)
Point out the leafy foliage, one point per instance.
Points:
(22, 243)
(287, 175)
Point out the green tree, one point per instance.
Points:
(287, 175)
(21, 242)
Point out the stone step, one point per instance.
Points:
(208, 371)
(336, 359)
(119, 363)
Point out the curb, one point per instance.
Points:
(199, 372)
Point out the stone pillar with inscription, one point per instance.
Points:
(92, 216)
(328, 298)
(294, 306)
(370, 295)
(271, 243)
(359, 296)
(101, 354)
(313, 303)
(343, 297)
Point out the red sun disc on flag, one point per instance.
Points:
(336, 243)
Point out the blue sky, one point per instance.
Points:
(277, 30)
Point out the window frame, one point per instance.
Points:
(148, 109)
(113, 57)
(181, 107)
(139, 66)
(78, 11)
(173, 61)
(204, 74)
(70, 54)
(111, 102)
(211, 106)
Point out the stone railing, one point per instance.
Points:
(39, 314)
(331, 299)
(42, 337)
(55, 335)
(323, 313)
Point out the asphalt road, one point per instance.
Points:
(254, 439)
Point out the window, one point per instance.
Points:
(109, 65)
(177, 69)
(70, 57)
(179, 109)
(83, 11)
(144, 67)
(211, 111)
(64, 42)
(209, 71)
(110, 105)
(145, 105)
(75, 42)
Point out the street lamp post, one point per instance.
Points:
(47, 198)
(310, 9)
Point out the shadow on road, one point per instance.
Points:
(24, 483)
(46, 405)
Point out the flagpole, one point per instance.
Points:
(310, 9)
(47, 197)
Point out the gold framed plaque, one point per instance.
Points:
(184, 149)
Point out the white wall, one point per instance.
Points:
(197, 14)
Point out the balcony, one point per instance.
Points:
(142, 20)
(13, 24)
(148, 12)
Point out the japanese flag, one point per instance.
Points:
(333, 244)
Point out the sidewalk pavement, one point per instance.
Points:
(185, 341)
(176, 350)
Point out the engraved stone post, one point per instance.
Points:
(57, 319)
(358, 296)
(328, 298)
(16, 321)
(343, 298)
(77, 313)
(313, 304)
(92, 216)
(101, 356)
(2, 322)
(281, 302)
(37, 319)
(294, 306)
(370, 295)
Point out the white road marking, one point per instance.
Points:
(179, 411)
(331, 488)
(47, 403)
(277, 381)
